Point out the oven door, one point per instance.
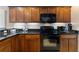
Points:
(50, 43)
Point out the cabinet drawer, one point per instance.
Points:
(35, 36)
(69, 36)
(32, 36)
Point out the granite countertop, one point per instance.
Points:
(7, 36)
(13, 34)
(71, 32)
(33, 33)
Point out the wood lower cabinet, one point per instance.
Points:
(63, 45)
(68, 43)
(14, 44)
(28, 43)
(35, 43)
(20, 39)
(73, 45)
(5, 45)
(32, 43)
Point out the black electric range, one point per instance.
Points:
(49, 39)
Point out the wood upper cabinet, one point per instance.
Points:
(43, 10)
(32, 43)
(27, 14)
(63, 14)
(20, 14)
(35, 17)
(5, 45)
(60, 14)
(32, 14)
(16, 14)
(12, 14)
(67, 14)
(68, 43)
(52, 10)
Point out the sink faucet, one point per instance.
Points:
(25, 29)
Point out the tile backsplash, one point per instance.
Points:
(33, 25)
(54, 24)
(59, 24)
(19, 25)
(26, 25)
(36, 25)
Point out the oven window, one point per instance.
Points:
(49, 43)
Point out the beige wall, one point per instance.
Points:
(2, 17)
(8, 24)
(75, 19)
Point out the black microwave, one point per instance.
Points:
(47, 18)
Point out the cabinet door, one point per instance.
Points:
(43, 10)
(68, 43)
(14, 44)
(5, 45)
(34, 45)
(20, 14)
(20, 43)
(27, 14)
(63, 45)
(35, 14)
(63, 14)
(12, 14)
(27, 45)
(73, 45)
(52, 10)
(67, 14)
(60, 14)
